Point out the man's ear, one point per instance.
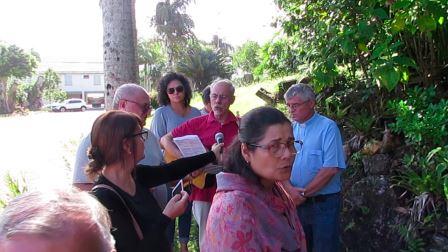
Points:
(121, 104)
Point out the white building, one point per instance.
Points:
(84, 80)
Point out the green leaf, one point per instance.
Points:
(388, 77)
(379, 48)
(445, 188)
(363, 47)
(401, 4)
(398, 24)
(426, 23)
(404, 61)
(432, 153)
(440, 20)
(381, 13)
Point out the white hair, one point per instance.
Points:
(303, 90)
(223, 82)
(55, 215)
(126, 91)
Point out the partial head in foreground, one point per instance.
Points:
(56, 220)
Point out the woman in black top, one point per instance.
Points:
(122, 186)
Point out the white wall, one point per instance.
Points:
(81, 84)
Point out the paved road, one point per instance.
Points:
(41, 146)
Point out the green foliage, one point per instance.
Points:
(421, 118)
(369, 38)
(426, 174)
(174, 26)
(15, 62)
(279, 58)
(362, 124)
(246, 57)
(152, 55)
(413, 243)
(202, 64)
(51, 89)
(15, 188)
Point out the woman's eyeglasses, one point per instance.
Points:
(178, 89)
(277, 149)
(143, 134)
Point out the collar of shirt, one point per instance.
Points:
(309, 121)
(229, 119)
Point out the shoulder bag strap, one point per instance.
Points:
(134, 221)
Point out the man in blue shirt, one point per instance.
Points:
(315, 182)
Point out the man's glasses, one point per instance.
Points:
(143, 134)
(216, 96)
(294, 106)
(178, 89)
(277, 149)
(146, 107)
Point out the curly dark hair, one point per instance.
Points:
(162, 86)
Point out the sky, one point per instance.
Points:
(71, 30)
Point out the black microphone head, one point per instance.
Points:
(219, 137)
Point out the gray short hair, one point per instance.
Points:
(303, 90)
(226, 82)
(54, 215)
(126, 91)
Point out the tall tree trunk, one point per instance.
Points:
(4, 106)
(120, 46)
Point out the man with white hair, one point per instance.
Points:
(59, 220)
(315, 182)
(220, 119)
(135, 99)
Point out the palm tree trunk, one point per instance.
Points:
(120, 46)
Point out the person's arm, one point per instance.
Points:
(168, 144)
(156, 175)
(83, 186)
(80, 179)
(320, 180)
(158, 124)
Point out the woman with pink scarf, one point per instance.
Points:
(251, 211)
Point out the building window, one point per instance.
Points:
(97, 79)
(86, 76)
(68, 80)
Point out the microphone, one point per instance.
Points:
(219, 138)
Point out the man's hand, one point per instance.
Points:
(294, 192)
(197, 172)
(296, 195)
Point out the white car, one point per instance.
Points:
(70, 104)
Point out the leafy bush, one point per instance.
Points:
(426, 174)
(246, 57)
(422, 120)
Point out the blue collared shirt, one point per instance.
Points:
(319, 147)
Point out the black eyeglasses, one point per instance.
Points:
(216, 97)
(145, 107)
(295, 106)
(277, 149)
(178, 89)
(143, 134)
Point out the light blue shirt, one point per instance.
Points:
(319, 147)
(165, 120)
